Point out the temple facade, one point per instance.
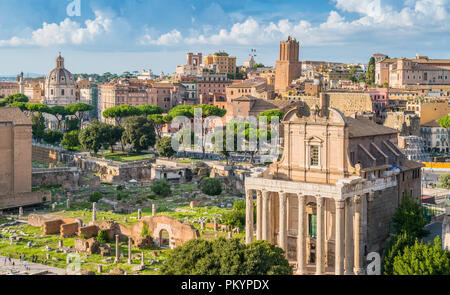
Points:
(328, 202)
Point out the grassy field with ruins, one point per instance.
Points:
(127, 198)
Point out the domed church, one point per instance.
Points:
(59, 85)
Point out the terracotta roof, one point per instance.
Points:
(362, 127)
(245, 98)
(246, 84)
(408, 164)
(13, 115)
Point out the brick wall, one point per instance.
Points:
(44, 154)
(88, 231)
(52, 227)
(68, 229)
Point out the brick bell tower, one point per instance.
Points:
(288, 67)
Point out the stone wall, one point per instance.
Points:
(407, 124)
(347, 102)
(90, 246)
(24, 199)
(52, 227)
(36, 220)
(46, 154)
(179, 233)
(88, 231)
(68, 229)
(380, 211)
(57, 176)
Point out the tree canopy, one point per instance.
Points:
(164, 147)
(226, 257)
(423, 259)
(445, 122)
(94, 136)
(409, 218)
(271, 115)
(148, 109)
(120, 112)
(139, 133)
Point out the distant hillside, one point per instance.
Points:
(25, 75)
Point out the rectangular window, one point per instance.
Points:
(312, 225)
(314, 155)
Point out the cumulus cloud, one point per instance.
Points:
(66, 32)
(372, 16)
(171, 38)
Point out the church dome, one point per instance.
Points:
(59, 75)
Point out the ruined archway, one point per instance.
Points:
(164, 239)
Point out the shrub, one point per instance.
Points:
(119, 187)
(139, 202)
(152, 197)
(95, 197)
(53, 136)
(103, 237)
(164, 147)
(145, 232)
(161, 187)
(226, 257)
(70, 140)
(211, 186)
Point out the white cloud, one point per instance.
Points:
(66, 32)
(372, 17)
(171, 38)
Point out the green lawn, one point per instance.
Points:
(125, 157)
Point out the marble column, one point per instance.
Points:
(339, 238)
(94, 212)
(357, 237)
(153, 209)
(116, 260)
(129, 251)
(282, 231)
(301, 254)
(249, 217)
(265, 215)
(258, 215)
(349, 237)
(319, 238)
(139, 214)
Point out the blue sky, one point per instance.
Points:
(120, 35)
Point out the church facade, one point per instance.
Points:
(328, 202)
(59, 86)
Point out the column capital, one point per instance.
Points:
(265, 193)
(340, 204)
(357, 199)
(258, 193)
(320, 200)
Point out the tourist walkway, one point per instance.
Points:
(33, 268)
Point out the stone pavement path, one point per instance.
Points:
(33, 268)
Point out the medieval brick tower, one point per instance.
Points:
(288, 67)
